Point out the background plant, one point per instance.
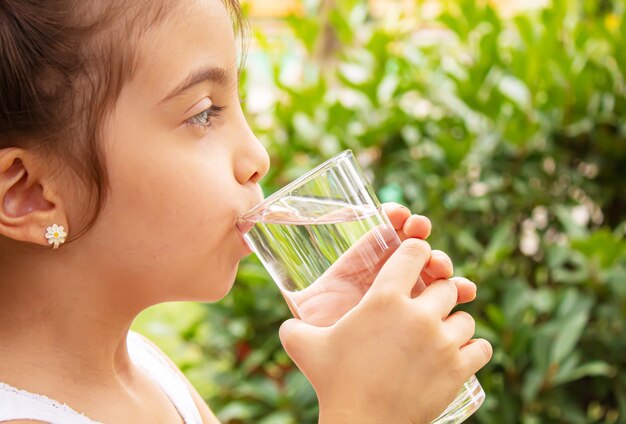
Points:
(509, 134)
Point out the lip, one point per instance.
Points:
(244, 225)
(242, 228)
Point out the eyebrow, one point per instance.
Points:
(212, 74)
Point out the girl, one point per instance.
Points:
(125, 160)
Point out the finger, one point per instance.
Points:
(475, 355)
(460, 326)
(397, 214)
(466, 289)
(439, 297)
(359, 264)
(367, 254)
(418, 288)
(402, 269)
(417, 226)
(439, 267)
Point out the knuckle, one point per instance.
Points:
(442, 255)
(423, 318)
(469, 323)
(468, 319)
(383, 299)
(450, 344)
(449, 286)
(416, 247)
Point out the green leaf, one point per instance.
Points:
(573, 316)
(299, 388)
(496, 316)
(501, 244)
(278, 417)
(239, 410)
(532, 384)
(590, 369)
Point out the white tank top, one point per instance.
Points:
(18, 404)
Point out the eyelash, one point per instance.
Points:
(203, 119)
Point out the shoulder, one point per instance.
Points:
(205, 412)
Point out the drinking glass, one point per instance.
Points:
(323, 238)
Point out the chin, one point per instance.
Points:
(221, 294)
(209, 284)
(216, 290)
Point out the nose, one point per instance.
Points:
(252, 160)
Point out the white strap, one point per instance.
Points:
(155, 364)
(18, 404)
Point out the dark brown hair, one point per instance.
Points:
(63, 64)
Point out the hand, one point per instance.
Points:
(392, 358)
(345, 283)
(440, 264)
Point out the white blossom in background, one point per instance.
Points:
(478, 189)
(581, 215)
(540, 217)
(529, 240)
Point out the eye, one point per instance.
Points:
(204, 118)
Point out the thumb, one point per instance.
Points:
(300, 340)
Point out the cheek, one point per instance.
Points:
(174, 218)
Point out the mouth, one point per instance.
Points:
(243, 227)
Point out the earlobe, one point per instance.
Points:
(26, 209)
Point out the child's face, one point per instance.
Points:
(177, 187)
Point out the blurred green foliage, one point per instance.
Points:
(509, 134)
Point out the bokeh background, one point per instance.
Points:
(504, 123)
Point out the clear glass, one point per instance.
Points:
(323, 238)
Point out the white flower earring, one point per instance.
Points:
(56, 235)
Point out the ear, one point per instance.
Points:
(29, 201)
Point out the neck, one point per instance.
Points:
(55, 325)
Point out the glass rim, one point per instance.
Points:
(298, 182)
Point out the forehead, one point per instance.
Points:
(195, 34)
